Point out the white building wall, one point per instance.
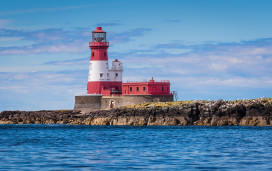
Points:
(116, 71)
(102, 67)
(96, 68)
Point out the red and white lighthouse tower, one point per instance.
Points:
(101, 78)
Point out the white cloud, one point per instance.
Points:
(217, 66)
(237, 82)
(35, 10)
(72, 47)
(58, 40)
(226, 66)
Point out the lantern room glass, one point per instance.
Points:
(99, 37)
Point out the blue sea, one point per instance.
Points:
(67, 147)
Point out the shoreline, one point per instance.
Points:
(255, 112)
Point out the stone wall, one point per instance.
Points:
(109, 102)
(87, 103)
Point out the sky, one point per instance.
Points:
(207, 49)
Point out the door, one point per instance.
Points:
(111, 104)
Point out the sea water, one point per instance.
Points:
(67, 147)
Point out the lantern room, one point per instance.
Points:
(99, 35)
(99, 39)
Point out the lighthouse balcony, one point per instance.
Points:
(117, 68)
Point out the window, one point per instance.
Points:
(144, 88)
(93, 53)
(137, 88)
(167, 88)
(116, 74)
(130, 88)
(101, 75)
(105, 54)
(161, 88)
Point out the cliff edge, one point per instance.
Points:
(255, 112)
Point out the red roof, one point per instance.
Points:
(99, 30)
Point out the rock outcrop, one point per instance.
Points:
(256, 112)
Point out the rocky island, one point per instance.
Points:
(255, 112)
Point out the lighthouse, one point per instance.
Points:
(105, 89)
(103, 80)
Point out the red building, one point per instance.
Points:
(146, 88)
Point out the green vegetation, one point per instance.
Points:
(158, 104)
(181, 103)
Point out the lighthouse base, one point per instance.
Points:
(88, 103)
(109, 102)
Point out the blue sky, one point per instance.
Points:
(207, 49)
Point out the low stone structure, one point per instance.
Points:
(109, 102)
(88, 103)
